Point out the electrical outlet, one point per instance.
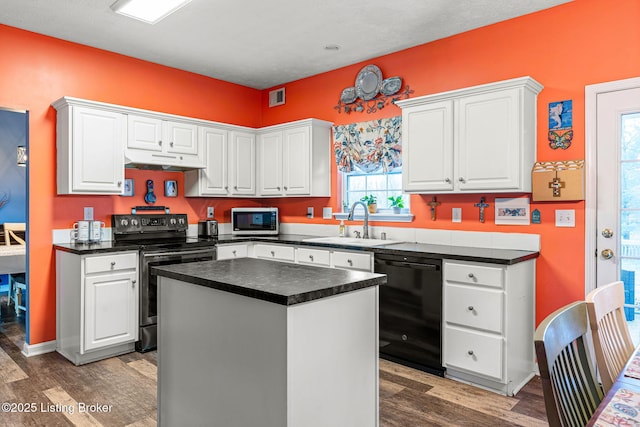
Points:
(210, 212)
(456, 214)
(327, 213)
(88, 214)
(565, 218)
(309, 212)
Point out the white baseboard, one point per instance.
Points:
(40, 348)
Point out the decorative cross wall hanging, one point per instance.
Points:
(556, 184)
(433, 204)
(481, 205)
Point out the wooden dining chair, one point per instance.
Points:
(571, 391)
(10, 229)
(612, 341)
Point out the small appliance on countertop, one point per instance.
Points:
(208, 228)
(255, 221)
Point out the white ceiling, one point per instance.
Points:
(260, 43)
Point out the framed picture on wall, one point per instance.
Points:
(127, 190)
(171, 188)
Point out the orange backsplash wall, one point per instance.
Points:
(564, 48)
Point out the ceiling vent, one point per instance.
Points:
(276, 97)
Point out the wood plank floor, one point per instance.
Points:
(123, 392)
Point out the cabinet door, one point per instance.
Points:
(97, 163)
(270, 164)
(489, 143)
(427, 156)
(297, 161)
(144, 133)
(180, 138)
(242, 164)
(110, 310)
(213, 179)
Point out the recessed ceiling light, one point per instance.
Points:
(149, 11)
(332, 47)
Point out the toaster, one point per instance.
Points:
(208, 228)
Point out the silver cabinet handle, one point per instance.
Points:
(350, 262)
(471, 276)
(278, 188)
(133, 283)
(286, 188)
(470, 352)
(113, 264)
(470, 308)
(234, 252)
(461, 179)
(119, 183)
(447, 180)
(273, 253)
(171, 144)
(160, 143)
(311, 257)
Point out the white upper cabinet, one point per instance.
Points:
(89, 149)
(242, 163)
(478, 139)
(294, 159)
(213, 179)
(152, 140)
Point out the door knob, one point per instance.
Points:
(607, 253)
(607, 233)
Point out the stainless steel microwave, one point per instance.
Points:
(256, 221)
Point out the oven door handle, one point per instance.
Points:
(210, 251)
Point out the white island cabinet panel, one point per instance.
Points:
(235, 359)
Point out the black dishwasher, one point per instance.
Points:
(411, 311)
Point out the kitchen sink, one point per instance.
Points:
(351, 241)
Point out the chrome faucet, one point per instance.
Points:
(365, 228)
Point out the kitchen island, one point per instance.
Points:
(248, 342)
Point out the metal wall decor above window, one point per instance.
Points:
(371, 92)
(22, 156)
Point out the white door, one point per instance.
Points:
(214, 177)
(242, 163)
(181, 138)
(270, 164)
(617, 222)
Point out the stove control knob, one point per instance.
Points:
(124, 222)
(134, 222)
(180, 220)
(172, 221)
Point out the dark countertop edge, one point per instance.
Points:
(269, 296)
(93, 248)
(297, 239)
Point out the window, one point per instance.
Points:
(382, 185)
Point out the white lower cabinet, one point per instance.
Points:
(488, 324)
(352, 260)
(319, 257)
(232, 251)
(274, 252)
(97, 305)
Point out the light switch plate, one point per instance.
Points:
(565, 218)
(309, 212)
(210, 212)
(88, 214)
(327, 213)
(456, 214)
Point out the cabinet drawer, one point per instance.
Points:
(232, 251)
(474, 352)
(352, 261)
(117, 261)
(279, 252)
(474, 274)
(313, 256)
(479, 308)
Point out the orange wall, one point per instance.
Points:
(564, 48)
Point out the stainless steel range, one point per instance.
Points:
(163, 240)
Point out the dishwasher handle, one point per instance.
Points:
(422, 266)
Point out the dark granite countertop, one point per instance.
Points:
(462, 253)
(95, 248)
(277, 282)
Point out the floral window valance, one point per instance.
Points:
(368, 146)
